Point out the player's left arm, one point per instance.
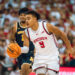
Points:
(60, 34)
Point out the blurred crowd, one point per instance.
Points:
(60, 13)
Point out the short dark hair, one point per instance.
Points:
(34, 13)
(23, 10)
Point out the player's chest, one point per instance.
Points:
(39, 36)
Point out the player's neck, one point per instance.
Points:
(35, 27)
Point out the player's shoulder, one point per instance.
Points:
(42, 20)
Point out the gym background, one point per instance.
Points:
(60, 13)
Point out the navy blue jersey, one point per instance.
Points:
(19, 35)
(23, 58)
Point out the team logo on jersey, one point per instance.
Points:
(31, 59)
(20, 32)
(39, 39)
(41, 32)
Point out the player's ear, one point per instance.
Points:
(35, 18)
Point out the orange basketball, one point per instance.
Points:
(13, 50)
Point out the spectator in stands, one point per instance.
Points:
(15, 70)
(55, 13)
(60, 13)
(61, 47)
(1, 19)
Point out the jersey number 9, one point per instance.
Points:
(42, 44)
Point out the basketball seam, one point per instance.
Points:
(16, 51)
(10, 51)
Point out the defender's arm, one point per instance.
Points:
(25, 48)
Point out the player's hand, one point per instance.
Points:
(71, 51)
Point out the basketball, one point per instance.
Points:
(13, 50)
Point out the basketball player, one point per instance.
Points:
(17, 36)
(42, 34)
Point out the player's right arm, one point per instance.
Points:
(12, 33)
(25, 48)
(26, 40)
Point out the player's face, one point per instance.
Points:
(30, 20)
(22, 18)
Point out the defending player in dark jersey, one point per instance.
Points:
(17, 36)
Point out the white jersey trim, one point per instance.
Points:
(45, 27)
